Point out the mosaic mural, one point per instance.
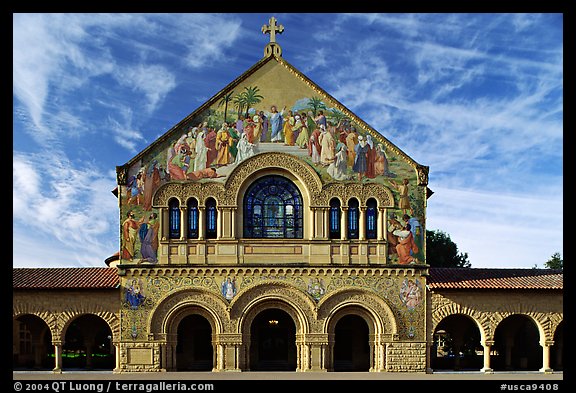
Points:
(274, 109)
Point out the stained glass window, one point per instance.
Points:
(192, 219)
(174, 218)
(273, 209)
(371, 218)
(353, 219)
(211, 218)
(334, 218)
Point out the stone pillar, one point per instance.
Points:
(164, 221)
(183, 223)
(381, 225)
(57, 358)
(326, 212)
(487, 345)
(546, 357)
(233, 216)
(362, 223)
(219, 222)
(344, 223)
(201, 222)
(117, 366)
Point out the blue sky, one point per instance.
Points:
(476, 97)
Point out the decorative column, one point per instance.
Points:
(546, 357)
(381, 224)
(57, 358)
(201, 222)
(183, 223)
(164, 224)
(344, 223)
(362, 224)
(326, 212)
(219, 222)
(487, 345)
(117, 357)
(233, 216)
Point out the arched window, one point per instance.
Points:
(174, 218)
(371, 218)
(334, 218)
(353, 219)
(211, 218)
(273, 209)
(192, 218)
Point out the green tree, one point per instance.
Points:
(226, 99)
(251, 97)
(441, 251)
(555, 262)
(315, 104)
(239, 102)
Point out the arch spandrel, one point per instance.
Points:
(171, 307)
(250, 301)
(183, 190)
(381, 312)
(362, 192)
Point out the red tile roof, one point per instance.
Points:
(65, 278)
(471, 278)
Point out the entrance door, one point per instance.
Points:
(194, 349)
(351, 347)
(273, 342)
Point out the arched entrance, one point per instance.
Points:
(456, 345)
(32, 347)
(351, 344)
(88, 344)
(273, 341)
(517, 345)
(556, 352)
(194, 351)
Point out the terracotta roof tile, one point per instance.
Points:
(65, 278)
(472, 278)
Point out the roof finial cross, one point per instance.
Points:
(272, 29)
(272, 48)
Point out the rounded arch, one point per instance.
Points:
(478, 318)
(518, 343)
(248, 303)
(170, 310)
(302, 174)
(368, 304)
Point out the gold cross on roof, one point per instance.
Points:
(272, 28)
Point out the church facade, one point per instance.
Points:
(271, 229)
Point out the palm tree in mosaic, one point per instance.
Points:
(251, 97)
(337, 116)
(315, 104)
(239, 102)
(226, 99)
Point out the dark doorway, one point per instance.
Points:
(273, 342)
(88, 344)
(194, 350)
(517, 345)
(351, 345)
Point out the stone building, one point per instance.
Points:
(273, 229)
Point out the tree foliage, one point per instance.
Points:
(555, 262)
(441, 251)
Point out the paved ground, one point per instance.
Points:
(281, 376)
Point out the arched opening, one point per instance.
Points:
(353, 219)
(211, 219)
(273, 341)
(88, 344)
(193, 218)
(273, 209)
(556, 351)
(32, 347)
(174, 219)
(517, 345)
(194, 350)
(456, 345)
(351, 344)
(371, 218)
(335, 213)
